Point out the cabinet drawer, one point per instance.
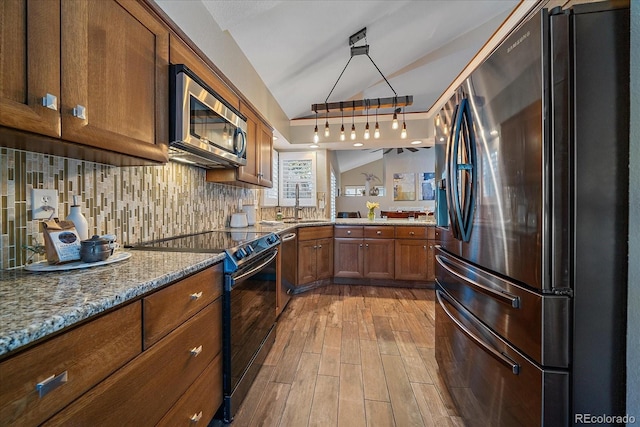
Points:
(348, 231)
(379, 231)
(199, 404)
(417, 232)
(87, 354)
(164, 310)
(312, 233)
(146, 388)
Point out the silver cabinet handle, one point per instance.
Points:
(195, 351)
(319, 246)
(195, 417)
(288, 291)
(378, 232)
(360, 244)
(425, 246)
(315, 247)
(51, 383)
(348, 231)
(80, 112)
(367, 245)
(196, 295)
(288, 237)
(411, 233)
(50, 101)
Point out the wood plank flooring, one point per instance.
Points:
(352, 356)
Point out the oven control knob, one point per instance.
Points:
(249, 249)
(240, 253)
(271, 239)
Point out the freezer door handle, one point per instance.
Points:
(505, 297)
(499, 356)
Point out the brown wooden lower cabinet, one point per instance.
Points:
(412, 259)
(315, 254)
(145, 389)
(364, 252)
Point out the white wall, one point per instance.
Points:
(633, 323)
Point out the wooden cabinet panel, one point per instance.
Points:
(313, 233)
(249, 172)
(307, 263)
(412, 259)
(88, 354)
(146, 388)
(198, 405)
(115, 58)
(348, 231)
(30, 65)
(324, 259)
(378, 260)
(265, 174)
(164, 310)
(348, 258)
(379, 232)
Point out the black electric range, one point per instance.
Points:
(241, 247)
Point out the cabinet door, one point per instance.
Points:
(307, 261)
(114, 58)
(378, 258)
(266, 156)
(249, 172)
(412, 260)
(30, 65)
(348, 257)
(324, 259)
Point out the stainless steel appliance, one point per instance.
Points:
(248, 302)
(205, 130)
(531, 273)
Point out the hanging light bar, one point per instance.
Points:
(394, 102)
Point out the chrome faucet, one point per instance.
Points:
(297, 207)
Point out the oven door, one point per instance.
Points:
(249, 302)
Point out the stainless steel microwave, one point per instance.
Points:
(205, 130)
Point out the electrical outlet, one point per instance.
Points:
(44, 204)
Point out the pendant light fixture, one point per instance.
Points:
(361, 104)
(366, 128)
(342, 127)
(403, 134)
(315, 132)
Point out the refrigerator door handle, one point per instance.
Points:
(451, 190)
(504, 297)
(499, 356)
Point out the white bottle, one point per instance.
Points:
(80, 222)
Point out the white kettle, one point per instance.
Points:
(238, 220)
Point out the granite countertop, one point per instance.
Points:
(287, 226)
(34, 305)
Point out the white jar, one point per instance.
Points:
(79, 221)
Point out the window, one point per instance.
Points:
(297, 170)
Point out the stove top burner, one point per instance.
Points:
(239, 246)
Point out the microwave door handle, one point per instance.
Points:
(243, 145)
(499, 356)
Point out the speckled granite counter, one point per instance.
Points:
(34, 305)
(283, 227)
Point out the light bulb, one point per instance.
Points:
(394, 123)
(376, 131)
(315, 135)
(403, 134)
(353, 131)
(342, 133)
(366, 131)
(358, 144)
(326, 129)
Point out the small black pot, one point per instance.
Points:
(94, 249)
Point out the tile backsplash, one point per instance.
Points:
(134, 203)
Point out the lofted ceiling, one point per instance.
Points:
(299, 48)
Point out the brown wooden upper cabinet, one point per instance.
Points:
(93, 72)
(257, 171)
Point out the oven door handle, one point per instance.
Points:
(259, 267)
(288, 237)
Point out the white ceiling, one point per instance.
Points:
(299, 48)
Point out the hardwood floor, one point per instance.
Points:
(352, 356)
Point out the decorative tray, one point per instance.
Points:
(45, 266)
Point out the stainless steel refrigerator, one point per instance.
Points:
(532, 164)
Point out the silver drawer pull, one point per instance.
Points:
(51, 383)
(319, 246)
(378, 232)
(195, 417)
(80, 112)
(411, 233)
(195, 351)
(196, 295)
(50, 101)
(348, 231)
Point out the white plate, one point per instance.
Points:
(45, 266)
